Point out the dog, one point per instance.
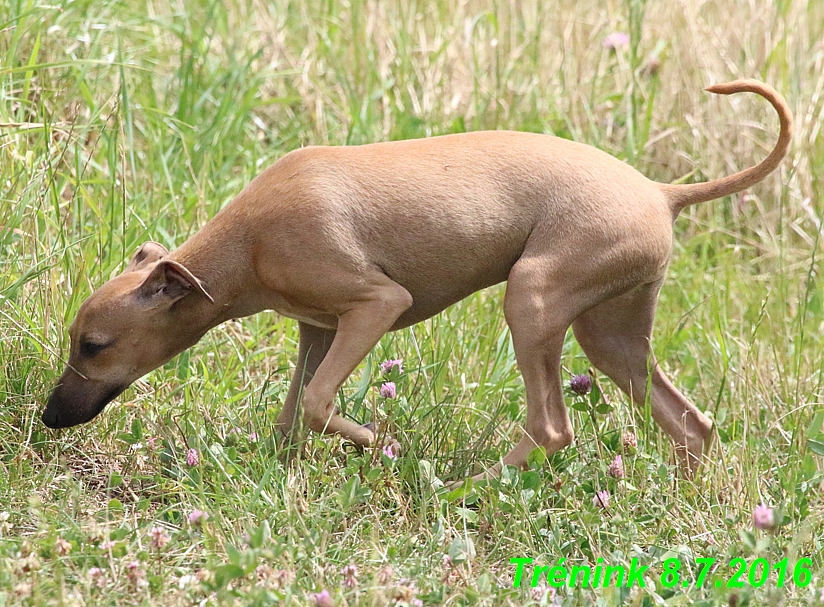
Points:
(353, 242)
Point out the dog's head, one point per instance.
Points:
(126, 328)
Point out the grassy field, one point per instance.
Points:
(122, 122)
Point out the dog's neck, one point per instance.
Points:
(225, 271)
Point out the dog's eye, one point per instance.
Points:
(90, 349)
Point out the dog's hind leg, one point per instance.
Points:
(615, 335)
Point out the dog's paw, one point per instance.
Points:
(289, 447)
(388, 445)
(391, 447)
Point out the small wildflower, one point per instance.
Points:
(350, 575)
(192, 457)
(264, 572)
(107, 545)
(388, 390)
(388, 365)
(616, 468)
(136, 574)
(616, 40)
(323, 599)
(97, 577)
(601, 499)
(386, 574)
(282, 578)
(62, 547)
(539, 592)
(389, 451)
(197, 517)
(447, 560)
(158, 538)
(28, 563)
(763, 517)
(253, 437)
(403, 593)
(580, 384)
(22, 590)
(416, 602)
(152, 443)
(630, 442)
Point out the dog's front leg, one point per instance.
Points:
(359, 329)
(314, 343)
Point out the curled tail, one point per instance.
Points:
(681, 196)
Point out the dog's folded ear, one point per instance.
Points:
(149, 252)
(168, 282)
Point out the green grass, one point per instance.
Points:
(129, 121)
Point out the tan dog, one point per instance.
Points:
(356, 241)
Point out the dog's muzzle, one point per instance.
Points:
(76, 401)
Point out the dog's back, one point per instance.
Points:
(468, 202)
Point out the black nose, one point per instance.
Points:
(51, 418)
